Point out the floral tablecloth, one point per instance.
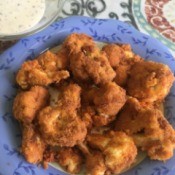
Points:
(154, 17)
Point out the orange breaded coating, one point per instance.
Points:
(75, 42)
(69, 98)
(33, 145)
(109, 99)
(61, 128)
(118, 149)
(63, 59)
(48, 156)
(114, 54)
(103, 103)
(149, 128)
(95, 164)
(87, 62)
(150, 81)
(41, 71)
(27, 104)
(70, 159)
(123, 69)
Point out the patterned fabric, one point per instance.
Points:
(154, 17)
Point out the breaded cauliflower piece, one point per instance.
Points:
(69, 98)
(118, 149)
(33, 145)
(27, 104)
(70, 159)
(95, 164)
(63, 59)
(150, 81)
(41, 71)
(109, 99)
(126, 60)
(149, 128)
(114, 54)
(103, 103)
(87, 62)
(49, 156)
(61, 128)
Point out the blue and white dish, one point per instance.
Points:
(112, 31)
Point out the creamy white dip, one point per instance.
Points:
(19, 15)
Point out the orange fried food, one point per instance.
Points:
(87, 62)
(41, 71)
(95, 164)
(61, 128)
(70, 159)
(48, 156)
(150, 81)
(63, 59)
(118, 149)
(27, 104)
(104, 103)
(149, 128)
(121, 58)
(33, 145)
(114, 53)
(69, 98)
(109, 99)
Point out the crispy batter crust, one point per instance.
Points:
(102, 104)
(118, 149)
(28, 103)
(149, 128)
(95, 164)
(33, 145)
(41, 71)
(60, 128)
(70, 159)
(87, 62)
(150, 81)
(114, 54)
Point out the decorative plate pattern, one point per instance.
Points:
(157, 25)
(113, 31)
(160, 16)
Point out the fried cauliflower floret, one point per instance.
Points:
(70, 159)
(121, 58)
(32, 145)
(155, 81)
(118, 149)
(48, 156)
(63, 59)
(149, 128)
(103, 103)
(70, 97)
(123, 71)
(61, 128)
(41, 71)
(75, 42)
(95, 164)
(109, 99)
(114, 54)
(87, 62)
(27, 104)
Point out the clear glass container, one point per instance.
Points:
(51, 13)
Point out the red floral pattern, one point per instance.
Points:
(154, 14)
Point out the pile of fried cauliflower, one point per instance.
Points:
(106, 108)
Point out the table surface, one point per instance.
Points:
(153, 17)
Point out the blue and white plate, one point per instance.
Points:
(112, 31)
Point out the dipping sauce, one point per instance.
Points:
(17, 16)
